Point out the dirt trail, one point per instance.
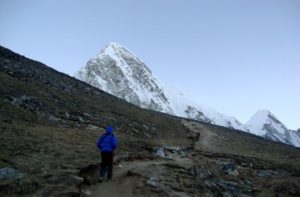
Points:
(206, 136)
(117, 186)
(122, 184)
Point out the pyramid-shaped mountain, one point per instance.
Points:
(119, 72)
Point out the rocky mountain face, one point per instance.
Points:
(50, 123)
(119, 72)
(266, 124)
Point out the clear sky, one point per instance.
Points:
(236, 56)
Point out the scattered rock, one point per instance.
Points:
(272, 174)
(67, 115)
(200, 171)
(175, 151)
(146, 127)
(86, 192)
(146, 134)
(10, 173)
(53, 118)
(20, 186)
(152, 181)
(27, 102)
(90, 174)
(222, 185)
(93, 127)
(230, 169)
(80, 119)
(159, 151)
(234, 172)
(87, 114)
(247, 186)
(136, 131)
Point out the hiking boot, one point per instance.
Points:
(100, 179)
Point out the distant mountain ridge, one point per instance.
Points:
(266, 124)
(118, 71)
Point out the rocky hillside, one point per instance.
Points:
(50, 123)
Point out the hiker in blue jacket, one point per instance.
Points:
(107, 143)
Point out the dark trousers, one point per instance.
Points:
(106, 164)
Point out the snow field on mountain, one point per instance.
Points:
(118, 71)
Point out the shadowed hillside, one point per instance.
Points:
(50, 122)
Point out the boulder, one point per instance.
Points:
(200, 172)
(159, 151)
(10, 173)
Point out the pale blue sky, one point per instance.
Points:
(237, 56)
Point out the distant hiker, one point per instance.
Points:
(198, 136)
(107, 143)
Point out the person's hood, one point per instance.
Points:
(109, 129)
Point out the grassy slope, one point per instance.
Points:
(245, 144)
(42, 147)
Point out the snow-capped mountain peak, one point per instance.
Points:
(261, 119)
(266, 124)
(120, 72)
(119, 53)
(258, 121)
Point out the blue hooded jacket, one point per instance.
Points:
(107, 142)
